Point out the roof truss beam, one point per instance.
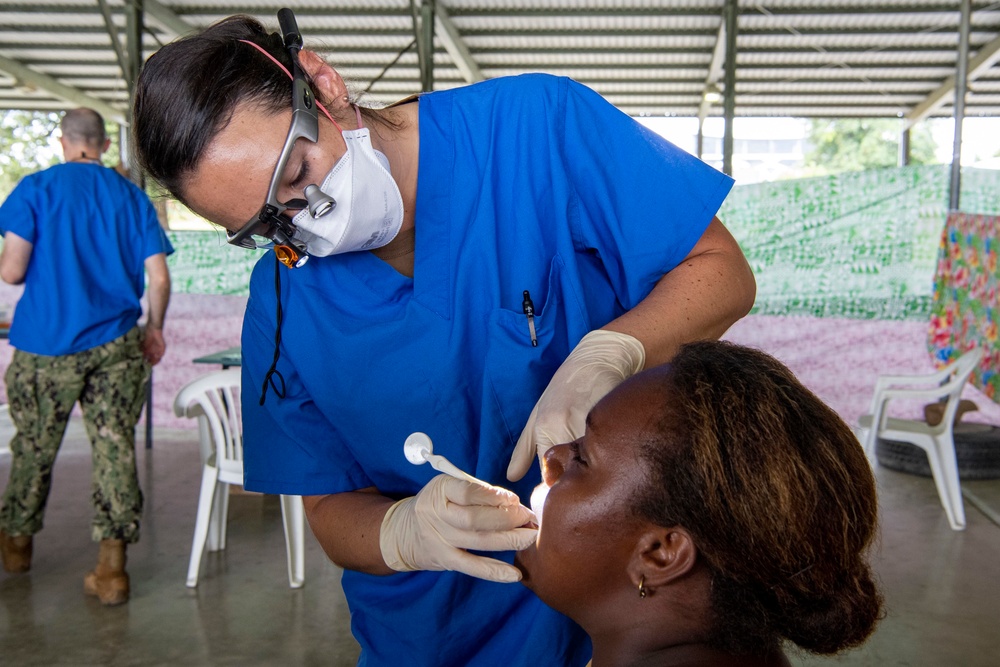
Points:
(26, 75)
(715, 69)
(945, 93)
(456, 47)
(166, 18)
(116, 43)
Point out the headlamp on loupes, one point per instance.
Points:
(271, 227)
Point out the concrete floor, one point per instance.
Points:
(942, 587)
(242, 612)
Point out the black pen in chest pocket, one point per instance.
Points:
(529, 311)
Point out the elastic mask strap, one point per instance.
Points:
(285, 70)
(273, 372)
(357, 112)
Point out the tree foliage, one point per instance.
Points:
(28, 144)
(854, 144)
(24, 145)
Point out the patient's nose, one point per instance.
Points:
(554, 463)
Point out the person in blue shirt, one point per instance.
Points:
(81, 238)
(480, 264)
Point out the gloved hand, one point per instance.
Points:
(431, 530)
(599, 363)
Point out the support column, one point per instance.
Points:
(134, 53)
(961, 85)
(904, 148)
(729, 98)
(133, 63)
(423, 29)
(133, 43)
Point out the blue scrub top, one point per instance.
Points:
(92, 231)
(526, 183)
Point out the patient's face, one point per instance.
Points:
(588, 530)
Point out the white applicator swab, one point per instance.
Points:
(419, 449)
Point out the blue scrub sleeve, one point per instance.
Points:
(643, 202)
(289, 447)
(17, 213)
(155, 241)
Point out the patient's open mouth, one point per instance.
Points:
(538, 501)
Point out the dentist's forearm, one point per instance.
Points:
(699, 299)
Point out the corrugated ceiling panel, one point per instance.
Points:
(561, 59)
(55, 22)
(590, 41)
(51, 39)
(805, 88)
(840, 73)
(864, 58)
(300, 6)
(345, 23)
(849, 21)
(652, 55)
(611, 22)
(69, 54)
(859, 41)
(456, 6)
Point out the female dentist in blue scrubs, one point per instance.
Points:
(484, 264)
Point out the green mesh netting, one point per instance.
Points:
(205, 264)
(857, 244)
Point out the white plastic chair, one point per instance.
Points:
(938, 440)
(214, 399)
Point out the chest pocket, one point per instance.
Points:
(516, 372)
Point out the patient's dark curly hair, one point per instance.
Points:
(778, 496)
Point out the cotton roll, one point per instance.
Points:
(538, 500)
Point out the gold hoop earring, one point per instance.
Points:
(642, 588)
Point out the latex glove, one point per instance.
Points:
(431, 530)
(599, 363)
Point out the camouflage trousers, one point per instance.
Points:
(109, 381)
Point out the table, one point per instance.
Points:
(229, 357)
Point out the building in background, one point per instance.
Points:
(764, 149)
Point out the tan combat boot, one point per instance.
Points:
(109, 580)
(16, 552)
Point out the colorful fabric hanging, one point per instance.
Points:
(964, 307)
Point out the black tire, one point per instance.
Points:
(977, 448)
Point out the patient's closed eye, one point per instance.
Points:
(574, 448)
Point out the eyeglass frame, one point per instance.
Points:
(271, 223)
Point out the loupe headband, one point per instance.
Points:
(271, 223)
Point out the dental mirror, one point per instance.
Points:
(419, 449)
(416, 447)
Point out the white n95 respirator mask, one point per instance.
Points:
(368, 210)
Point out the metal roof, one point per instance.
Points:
(813, 58)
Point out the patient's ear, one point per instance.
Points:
(661, 557)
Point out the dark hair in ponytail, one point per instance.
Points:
(778, 496)
(187, 92)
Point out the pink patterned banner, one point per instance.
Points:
(964, 307)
